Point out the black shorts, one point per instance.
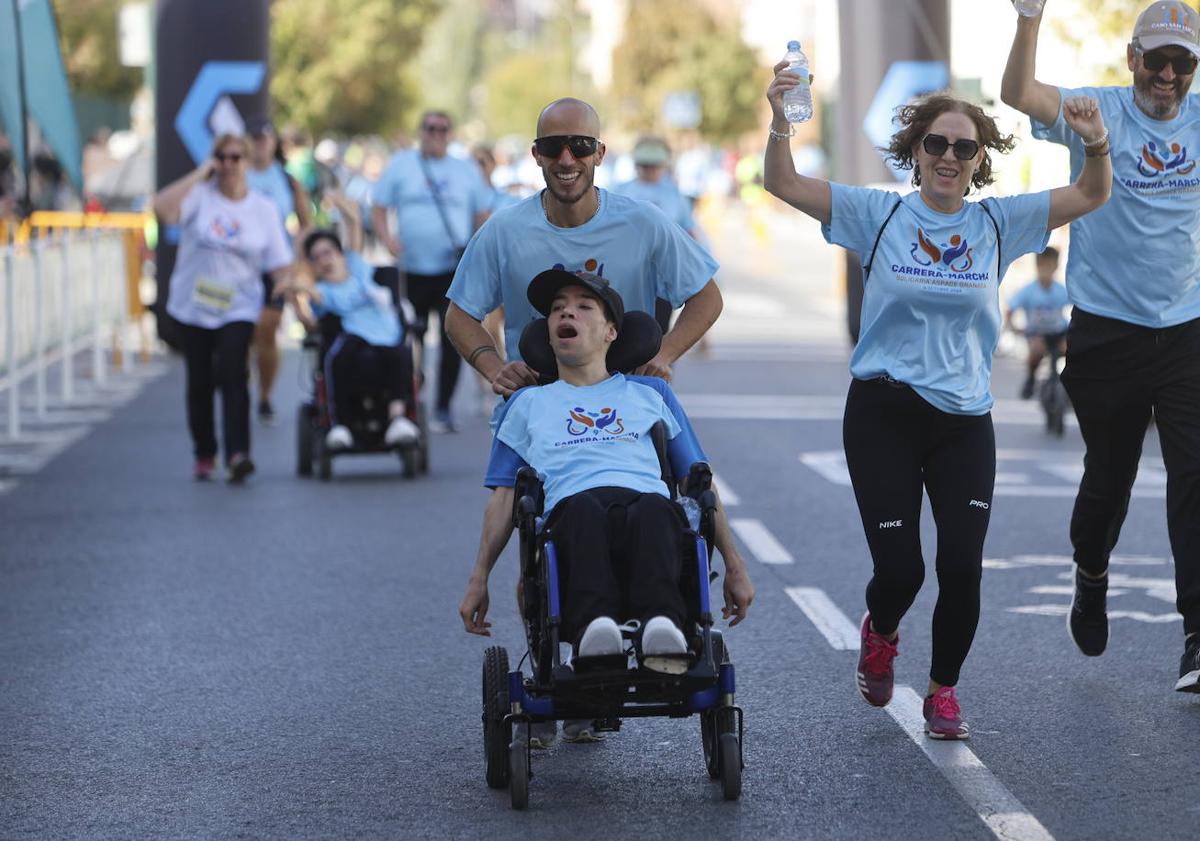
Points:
(273, 302)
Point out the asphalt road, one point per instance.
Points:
(284, 660)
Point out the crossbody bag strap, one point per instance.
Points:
(999, 253)
(878, 237)
(437, 201)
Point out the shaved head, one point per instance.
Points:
(568, 116)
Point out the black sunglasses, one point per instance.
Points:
(580, 145)
(436, 129)
(936, 145)
(223, 156)
(1155, 60)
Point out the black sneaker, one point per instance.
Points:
(266, 413)
(239, 467)
(1088, 619)
(1189, 666)
(1027, 389)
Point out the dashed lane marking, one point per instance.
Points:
(824, 614)
(995, 805)
(761, 543)
(728, 497)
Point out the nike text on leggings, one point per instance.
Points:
(896, 444)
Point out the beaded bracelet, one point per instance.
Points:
(779, 135)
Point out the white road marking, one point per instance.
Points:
(728, 497)
(831, 465)
(987, 796)
(1063, 609)
(838, 631)
(779, 407)
(761, 543)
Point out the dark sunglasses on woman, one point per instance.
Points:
(936, 145)
(1183, 64)
(232, 157)
(580, 145)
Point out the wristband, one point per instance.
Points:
(482, 349)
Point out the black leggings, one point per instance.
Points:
(895, 444)
(619, 555)
(428, 293)
(353, 363)
(218, 359)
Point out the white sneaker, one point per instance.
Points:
(662, 646)
(401, 431)
(602, 638)
(339, 438)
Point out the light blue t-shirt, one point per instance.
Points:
(365, 307)
(630, 243)
(931, 309)
(403, 187)
(578, 438)
(1137, 258)
(664, 195)
(1043, 308)
(273, 183)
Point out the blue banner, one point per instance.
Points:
(10, 80)
(47, 95)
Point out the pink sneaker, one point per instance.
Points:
(875, 656)
(943, 716)
(203, 469)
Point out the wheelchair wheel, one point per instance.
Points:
(518, 768)
(304, 441)
(410, 460)
(496, 733)
(709, 730)
(731, 766)
(324, 459)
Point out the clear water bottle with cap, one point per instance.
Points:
(797, 102)
(1029, 8)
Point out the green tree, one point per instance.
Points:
(345, 66)
(677, 45)
(1101, 22)
(89, 38)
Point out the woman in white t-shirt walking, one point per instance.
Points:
(228, 238)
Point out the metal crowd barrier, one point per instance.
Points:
(70, 284)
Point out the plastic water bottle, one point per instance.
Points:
(797, 102)
(692, 510)
(1029, 8)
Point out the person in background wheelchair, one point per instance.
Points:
(370, 324)
(617, 531)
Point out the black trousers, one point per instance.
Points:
(217, 359)
(352, 363)
(896, 443)
(428, 293)
(1117, 374)
(619, 555)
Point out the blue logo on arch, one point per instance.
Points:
(215, 80)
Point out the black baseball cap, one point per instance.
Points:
(544, 288)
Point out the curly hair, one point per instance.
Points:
(915, 120)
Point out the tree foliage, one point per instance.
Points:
(677, 45)
(1101, 30)
(345, 66)
(89, 38)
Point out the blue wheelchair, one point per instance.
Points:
(608, 689)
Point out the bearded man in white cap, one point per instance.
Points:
(1133, 277)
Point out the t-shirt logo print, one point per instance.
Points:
(1156, 162)
(956, 254)
(226, 231)
(591, 265)
(582, 422)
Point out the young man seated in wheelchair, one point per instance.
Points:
(617, 533)
(368, 348)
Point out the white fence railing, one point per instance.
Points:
(61, 295)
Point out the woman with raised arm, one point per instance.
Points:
(918, 410)
(229, 237)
